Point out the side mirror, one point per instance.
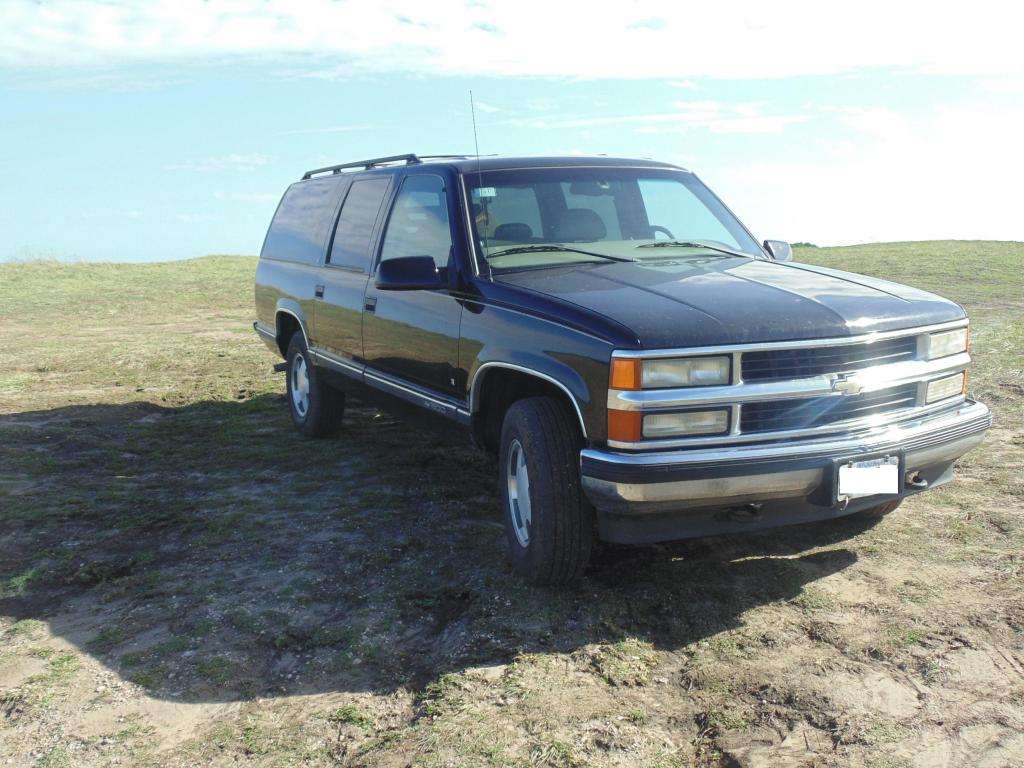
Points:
(779, 250)
(409, 273)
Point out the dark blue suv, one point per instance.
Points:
(643, 368)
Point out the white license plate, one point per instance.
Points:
(869, 478)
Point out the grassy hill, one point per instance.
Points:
(183, 580)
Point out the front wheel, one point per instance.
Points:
(315, 406)
(548, 522)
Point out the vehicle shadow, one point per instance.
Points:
(208, 553)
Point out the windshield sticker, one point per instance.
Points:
(485, 192)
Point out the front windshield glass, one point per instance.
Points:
(538, 217)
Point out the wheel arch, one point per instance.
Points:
(521, 381)
(288, 319)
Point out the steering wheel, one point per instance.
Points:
(664, 230)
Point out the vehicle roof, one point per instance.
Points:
(467, 163)
(496, 162)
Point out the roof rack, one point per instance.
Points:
(409, 159)
(442, 157)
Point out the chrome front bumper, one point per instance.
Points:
(628, 483)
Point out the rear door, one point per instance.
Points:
(413, 336)
(339, 292)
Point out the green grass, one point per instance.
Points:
(351, 715)
(159, 515)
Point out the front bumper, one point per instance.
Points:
(647, 497)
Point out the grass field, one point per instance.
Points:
(184, 581)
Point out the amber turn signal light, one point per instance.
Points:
(625, 373)
(625, 426)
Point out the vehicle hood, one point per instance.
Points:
(731, 300)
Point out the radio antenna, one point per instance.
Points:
(479, 174)
(476, 142)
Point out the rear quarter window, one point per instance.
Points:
(302, 222)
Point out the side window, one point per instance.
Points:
(302, 221)
(352, 234)
(418, 225)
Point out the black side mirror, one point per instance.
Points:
(409, 273)
(779, 250)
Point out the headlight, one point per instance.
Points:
(945, 343)
(685, 372)
(687, 423)
(948, 386)
(669, 372)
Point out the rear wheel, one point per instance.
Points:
(880, 510)
(548, 522)
(316, 407)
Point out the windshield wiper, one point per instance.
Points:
(692, 244)
(555, 249)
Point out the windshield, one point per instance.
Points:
(538, 217)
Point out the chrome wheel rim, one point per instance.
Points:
(518, 479)
(300, 386)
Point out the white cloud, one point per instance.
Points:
(714, 116)
(119, 81)
(943, 174)
(233, 162)
(658, 39)
(1003, 85)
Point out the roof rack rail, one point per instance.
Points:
(409, 159)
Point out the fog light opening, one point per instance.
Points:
(916, 480)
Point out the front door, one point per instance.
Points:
(414, 335)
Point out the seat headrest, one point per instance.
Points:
(513, 231)
(577, 225)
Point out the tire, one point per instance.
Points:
(881, 510)
(319, 412)
(549, 538)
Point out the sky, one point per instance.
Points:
(149, 131)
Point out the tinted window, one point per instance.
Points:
(302, 221)
(351, 246)
(418, 225)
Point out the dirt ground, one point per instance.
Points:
(185, 581)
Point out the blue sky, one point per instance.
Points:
(158, 131)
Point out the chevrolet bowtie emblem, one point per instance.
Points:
(845, 384)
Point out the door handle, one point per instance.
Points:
(370, 303)
(319, 292)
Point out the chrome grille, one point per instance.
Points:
(802, 388)
(780, 364)
(803, 413)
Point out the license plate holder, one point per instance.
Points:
(858, 477)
